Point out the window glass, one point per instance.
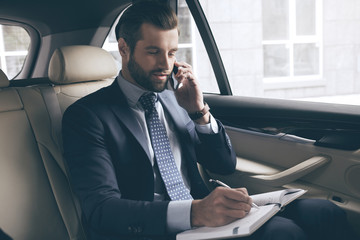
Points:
(298, 17)
(289, 49)
(305, 17)
(276, 60)
(14, 65)
(306, 59)
(111, 45)
(185, 23)
(14, 45)
(191, 49)
(275, 14)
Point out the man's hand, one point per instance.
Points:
(220, 207)
(189, 94)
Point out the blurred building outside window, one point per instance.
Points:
(291, 39)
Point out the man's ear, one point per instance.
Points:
(123, 47)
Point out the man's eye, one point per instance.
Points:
(152, 52)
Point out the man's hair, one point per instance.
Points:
(158, 14)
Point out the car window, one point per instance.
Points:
(14, 45)
(289, 49)
(191, 49)
(111, 45)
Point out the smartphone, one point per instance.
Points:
(173, 84)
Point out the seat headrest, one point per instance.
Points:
(73, 64)
(4, 81)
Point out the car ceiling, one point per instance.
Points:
(50, 17)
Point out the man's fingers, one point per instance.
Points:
(229, 208)
(183, 69)
(182, 65)
(237, 205)
(235, 194)
(231, 199)
(244, 190)
(182, 76)
(236, 214)
(221, 206)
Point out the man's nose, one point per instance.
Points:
(164, 62)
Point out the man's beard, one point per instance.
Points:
(144, 79)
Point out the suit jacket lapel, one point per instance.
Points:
(169, 103)
(186, 131)
(184, 125)
(123, 112)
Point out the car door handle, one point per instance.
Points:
(291, 174)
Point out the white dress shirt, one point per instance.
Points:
(178, 213)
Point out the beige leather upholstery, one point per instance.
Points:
(9, 100)
(44, 128)
(28, 208)
(72, 64)
(68, 94)
(36, 200)
(87, 68)
(4, 81)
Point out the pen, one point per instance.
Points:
(227, 186)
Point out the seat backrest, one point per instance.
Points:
(77, 71)
(4, 81)
(36, 200)
(28, 208)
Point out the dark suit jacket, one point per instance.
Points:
(109, 167)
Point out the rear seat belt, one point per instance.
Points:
(69, 212)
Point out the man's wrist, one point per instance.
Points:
(203, 120)
(201, 115)
(210, 128)
(195, 221)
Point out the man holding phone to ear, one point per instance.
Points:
(132, 148)
(113, 163)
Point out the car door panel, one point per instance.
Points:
(278, 144)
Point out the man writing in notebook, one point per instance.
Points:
(132, 148)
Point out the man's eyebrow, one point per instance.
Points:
(157, 48)
(152, 48)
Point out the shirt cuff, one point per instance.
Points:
(178, 216)
(210, 128)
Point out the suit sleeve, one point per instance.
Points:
(93, 179)
(215, 152)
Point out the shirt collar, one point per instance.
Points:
(131, 91)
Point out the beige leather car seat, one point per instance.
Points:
(28, 206)
(77, 71)
(36, 201)
(4, 81)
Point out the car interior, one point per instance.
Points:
(279, 143)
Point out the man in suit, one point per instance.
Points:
(109, 151)
(112, 153)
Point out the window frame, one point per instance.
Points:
(210, 46)
(303, 80)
